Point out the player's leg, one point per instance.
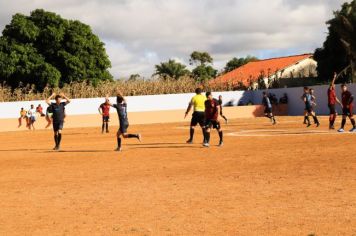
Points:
(123, 128)
(332, 116)
(305, 117)
(49, 121)
(103, 124)
(118, 138)
(351, 117)
(107, 124)
(193, 124)
(315, 118)
(343, 122)
(273, 119)
(20, 122)
(220, 132)
(207, 136)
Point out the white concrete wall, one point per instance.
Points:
(180, 101)
(135, 103)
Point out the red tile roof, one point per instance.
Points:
(253, 70)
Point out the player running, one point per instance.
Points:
(308, 111)
(221, 109)
(347, 108)
(104, 110)
(58, 114)
(197, 103)
(31, 116)
(212, 111)
(332, 100)
(121, 108)
(266, 102)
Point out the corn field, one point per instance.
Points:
(128, 88)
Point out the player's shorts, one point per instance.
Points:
(309, 108)
(212, 124)
(332, 109)
(124, 125)
(268, 110)
(106, 118)
(57, 126)
(198, 118)
(348, 111)
(32, 119)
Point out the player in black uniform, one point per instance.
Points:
(58, 115)
(121, 108)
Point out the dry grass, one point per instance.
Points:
(129, 88)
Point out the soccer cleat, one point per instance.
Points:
(118, 149)
(308, 125)
(317, 124)
(55, 148)
(189, 141)
(331, 127)
(107, 131)
(139, 137)
(353, 130)
(341, 130)
(221, 143)
(206, 145)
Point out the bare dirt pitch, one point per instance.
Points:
(281, 180)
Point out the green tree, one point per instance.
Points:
(45, 49)
(203, 70)
(235, 63)
(171, 69)
(339, 49)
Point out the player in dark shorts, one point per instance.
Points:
(221, 109)
(308, 111)
(266, 102)
(121, 108)
(58, 114)
(104, 110)
(332, 100)
(347, 100)
(197, 103)
(212, 111)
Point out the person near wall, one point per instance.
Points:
(332, 100)
(308, 111)
(347, 100)
(23, 116)
(198, 105)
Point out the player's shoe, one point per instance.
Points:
(139, 137)
(331, 127)
(353, 130)
(221, 143)
(308, 125)
(317, 124)
(118, 149)
(189, 141)
(206, 145)
(341, 130)
(226, 121)
(107, 131)
(55, 148)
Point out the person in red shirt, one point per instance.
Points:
(347, 108)
(332, 100)
(104, 110)
(212, 111)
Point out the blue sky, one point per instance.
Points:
(141, 33)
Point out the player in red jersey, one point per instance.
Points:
(332, 100)
(104, 110)
(212, 111)
(347, 108)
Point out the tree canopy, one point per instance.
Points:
(339, 49)
(171, 69)
(203, 70)
(44, 49)
(235, 63)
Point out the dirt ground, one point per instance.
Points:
(266, 180)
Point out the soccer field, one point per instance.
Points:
(266, 180)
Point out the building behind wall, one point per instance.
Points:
(279, 72)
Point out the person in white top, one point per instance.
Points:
(31, 114)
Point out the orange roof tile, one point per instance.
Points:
(253, 70)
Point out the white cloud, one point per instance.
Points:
(141, 33)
